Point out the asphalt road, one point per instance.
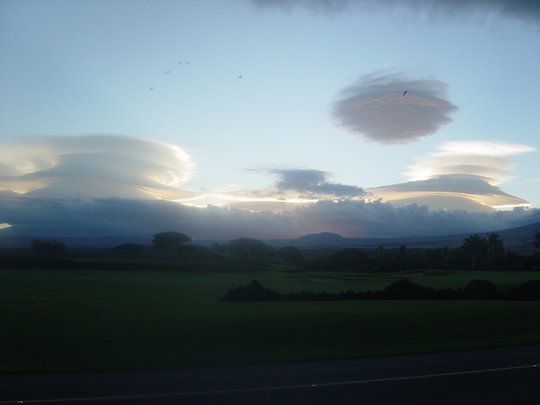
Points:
(491, 376)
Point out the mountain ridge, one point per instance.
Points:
(518, 238)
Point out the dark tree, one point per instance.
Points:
(291, 255)
(351, 258)
(407, 290)
(47, 248)
(169, 240)
(480, 290)
(536, 242)
(512, 260)
(252, 292)
(475, 248)
(199, 253)
(529, 291)
(246, 248)
(402, 257)
(495, 248)
(438, 258)
(384, 260)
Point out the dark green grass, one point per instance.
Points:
(84, 320)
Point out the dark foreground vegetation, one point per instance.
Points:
(399, 290)
(162, 310)
(173, 251)
(69, 320)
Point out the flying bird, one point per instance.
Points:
(167, 72)
(240, 76)
(405, 92)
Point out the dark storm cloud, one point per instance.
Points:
(526, 10)
(42, 217)
(376, 108)
(312, 184)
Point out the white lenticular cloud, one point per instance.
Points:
(93, 166)
(392, 108)
(488, 148)
(485, 159)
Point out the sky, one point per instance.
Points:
(266, 119)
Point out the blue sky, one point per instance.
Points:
(140, 104)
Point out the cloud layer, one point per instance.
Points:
(377, 108)
(45, 217)
(111, 185)
(94, 166)
(526, 10)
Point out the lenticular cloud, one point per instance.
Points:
(93, 166)
(486, 159)
(391, 108)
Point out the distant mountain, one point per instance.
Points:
(525, 232)
(518, 239)
(102, 242)
(321, 239)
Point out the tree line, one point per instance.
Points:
(476, 253)
(400, 290)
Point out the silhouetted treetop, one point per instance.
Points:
(169, 240)
(246, 248)
(399, 290)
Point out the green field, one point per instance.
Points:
(92, 320)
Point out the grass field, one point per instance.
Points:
(92, 320)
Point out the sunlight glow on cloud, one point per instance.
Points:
(111, 185)
(391, 108)
(449, 192)
(33, 216)
(460, 175)
(478, 158)
(292, 188)
(94, 166)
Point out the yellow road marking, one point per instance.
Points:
(285, 387)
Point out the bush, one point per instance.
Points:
(480, 290)
(252, 292)
(529, 291)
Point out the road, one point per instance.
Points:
(491, 376)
